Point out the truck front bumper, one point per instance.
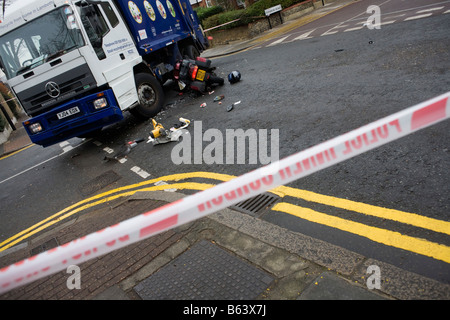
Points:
(74, 118)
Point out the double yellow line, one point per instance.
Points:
(104, 197)
(386, 237)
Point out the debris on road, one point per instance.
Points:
(124, 150)
(160, 135)
(218, 98)
(234, 76)
(231, 106)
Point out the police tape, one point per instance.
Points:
(226, 194)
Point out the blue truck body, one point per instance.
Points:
(155, 24)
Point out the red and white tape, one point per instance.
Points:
(228, 193)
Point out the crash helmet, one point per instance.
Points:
(234, 76)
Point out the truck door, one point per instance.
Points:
(115, 52)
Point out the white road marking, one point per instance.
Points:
(418, 17)
(163, 183)
(304, 36)
(328, 33)
(353, 29)
(140, 172)
(383, 23)
(277, 41)
(431, 9)
(108, 150)
(41, 163)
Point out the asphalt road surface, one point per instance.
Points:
(309, 85)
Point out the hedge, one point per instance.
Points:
(247, 15)
(204, 13)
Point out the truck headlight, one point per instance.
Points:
(35, 127)
(100, 103)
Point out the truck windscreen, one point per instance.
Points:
(40, 40)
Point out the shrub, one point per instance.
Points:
(225, 17)
(247, 15)
(204, 13)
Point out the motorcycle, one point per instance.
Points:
(196, 74)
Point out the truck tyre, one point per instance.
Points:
(191, 52)
(150, 95)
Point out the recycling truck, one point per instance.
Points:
(76, 66)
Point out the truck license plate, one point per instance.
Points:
(200, 75)
(67, 113)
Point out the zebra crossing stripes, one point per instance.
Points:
(354, 25)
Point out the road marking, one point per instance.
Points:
(300, 23)
(304, 36)
(418, 17)
(67, 148)
(384, 23)
(277, 41)
(386, 237)
(108, 150)
(380, 235)
(16, 152)
(41, 163)
(353, 29)
(140, 172)
(26, 170)
(445, 12)
(163, 183)
(370, 210)
(431, 9)
(326, 33)
(48, 222)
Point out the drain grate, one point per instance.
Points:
(257, 204)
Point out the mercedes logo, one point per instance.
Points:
(52, 89)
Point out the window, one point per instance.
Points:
(113, 21)
(38, 41)
(96, 28)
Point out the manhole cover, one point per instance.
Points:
(257, 204)
(205, 272)
(99, 183)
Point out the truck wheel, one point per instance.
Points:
(191, 52)
(150, 95)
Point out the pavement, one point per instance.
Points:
(17, 140)
(229, 255)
